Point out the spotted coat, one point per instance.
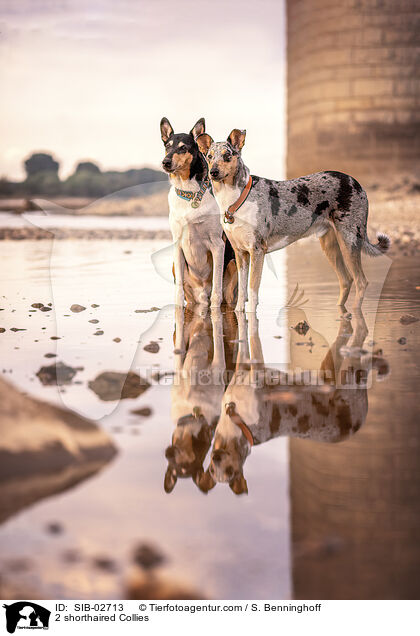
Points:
(281, 212)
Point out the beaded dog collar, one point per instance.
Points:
(194, 197)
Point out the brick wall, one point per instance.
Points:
(353, 86)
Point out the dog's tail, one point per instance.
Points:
(381, 247)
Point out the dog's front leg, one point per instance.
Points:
(243, 344)
(242, 262)
(218, 253)
(218, 362)
(179, 341)
(179, 263)
(257, 262)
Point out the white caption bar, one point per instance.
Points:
(203, 617)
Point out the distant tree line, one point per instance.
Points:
(87, 180)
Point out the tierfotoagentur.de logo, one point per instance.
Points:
(26, 615)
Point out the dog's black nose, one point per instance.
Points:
(217, 456)
(214, 172)
(170, 452)
(166, 163)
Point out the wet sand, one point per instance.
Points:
(37, 234)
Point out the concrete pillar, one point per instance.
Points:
(353, 90)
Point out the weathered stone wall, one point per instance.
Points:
(355, 518)
(355, 511)
(353, 86)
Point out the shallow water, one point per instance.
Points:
(333, 479)
(86, 222)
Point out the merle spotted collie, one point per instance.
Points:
(261, 215)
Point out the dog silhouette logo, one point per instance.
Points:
(26, 615)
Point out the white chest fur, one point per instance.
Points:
(241, 232)
(182, 214)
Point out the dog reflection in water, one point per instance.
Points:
(201, 354)
(258, 406)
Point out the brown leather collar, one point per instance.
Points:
(235, 206)
(236, 419)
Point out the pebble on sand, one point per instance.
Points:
(94, 321)
(146, 311)
(111, 385)
(105, 564)
(402, 341)
(301, 328)
(98, 333)
(77, 308)
(146, 411)
(147, 556)
(407, 319)
(46, 309)
(117, 340)
(145, 586)
(54, 528)
(2, 329)
(152, 347)
(58, 373)
(37, 305)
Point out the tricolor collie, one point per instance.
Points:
(261, 215)
(204, 270)
(203, 346)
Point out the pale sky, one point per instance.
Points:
(91, 79)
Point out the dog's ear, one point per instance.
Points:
(238, 485)
(166, 129)
(204, 142)
(199, 128)
(204, 481)
(237, 138)
(170, 480)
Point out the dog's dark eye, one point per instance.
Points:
(181, 150)
(227, 157)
